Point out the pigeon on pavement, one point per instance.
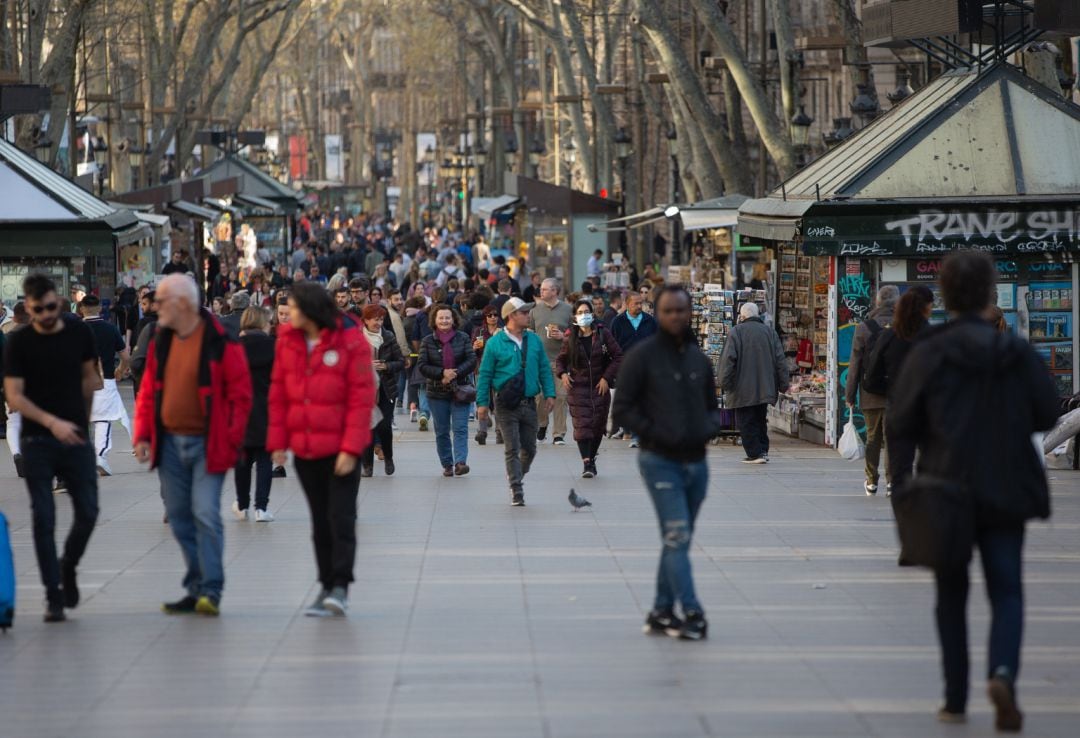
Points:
(578, 501)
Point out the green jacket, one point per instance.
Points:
(502, 360)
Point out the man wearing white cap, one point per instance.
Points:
(752, 374)
(516, 367)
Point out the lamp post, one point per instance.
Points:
(571, 157)
(481, 157)
(841, 130)
(510, 148)
(536, 153)
(622, 153)
(676, 231)
(135, 159)
(800, 134)
(429, 162)
(101, 158)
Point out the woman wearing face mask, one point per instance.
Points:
(447, 361)
(587, 366)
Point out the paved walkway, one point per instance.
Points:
(472, 618)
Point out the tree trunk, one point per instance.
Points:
(58, 72)
(785, 50)
(707, 135)
(773, 133)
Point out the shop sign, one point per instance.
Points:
(933, 231)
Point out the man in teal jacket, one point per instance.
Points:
(502, 362)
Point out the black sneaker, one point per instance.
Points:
(587, 472)
(54, 613)
(695, 627)
(662, 622)
(389, 467)
(278, 473)
(69, 585)
(558, 441)
(481, 438)
(183, 606)
(19, 468)
(517, 499)
(541, 433)
(592, 467)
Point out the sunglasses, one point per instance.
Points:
(50, 308)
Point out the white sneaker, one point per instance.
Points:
(264, 516)
(316, 609)
(633, 443)
(871, 489)
(103, 468)
(336, 602)
(238, 513)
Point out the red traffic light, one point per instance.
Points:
(603, 192)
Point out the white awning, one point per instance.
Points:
(486, 207)
(697, 220)
(626, 222)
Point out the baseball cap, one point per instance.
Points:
(514, 304)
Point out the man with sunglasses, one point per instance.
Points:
(50, 376)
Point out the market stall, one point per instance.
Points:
(982, 160)
(49, 224)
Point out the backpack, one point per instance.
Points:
(874, 372)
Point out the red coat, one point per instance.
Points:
(321, 404)
(224, 392)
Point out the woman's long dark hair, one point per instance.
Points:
(575, 331)
(908, 316)
(316, 304)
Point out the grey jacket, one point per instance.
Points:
(867, 401)
(752, 368)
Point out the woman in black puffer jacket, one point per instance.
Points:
(389, 363)
(446, 362)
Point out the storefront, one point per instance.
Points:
(980, 161)
(49, 224)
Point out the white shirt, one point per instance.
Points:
(519, 341)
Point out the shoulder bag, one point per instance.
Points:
(512, 393)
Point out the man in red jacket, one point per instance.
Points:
(190, 419)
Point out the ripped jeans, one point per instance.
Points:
(677, 489)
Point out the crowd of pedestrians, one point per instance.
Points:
(379, 325)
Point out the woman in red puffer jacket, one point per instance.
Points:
(322, 391)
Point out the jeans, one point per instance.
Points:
(754, 430)
(402, 386)
(677, 489)
(383, 433)
(875, 444)
(1000, 551)
(483, 424)
(450, 418)
(518, 427)
(45, 458)
(424, 404)
(260, 457)
(332, 501)
(193, 504)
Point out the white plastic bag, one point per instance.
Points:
(851, 446)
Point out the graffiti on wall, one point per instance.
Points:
(855, 300)
(1040, 231)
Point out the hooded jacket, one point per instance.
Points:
(970, 398)
(321, 402)
(752, 367)
(224, 392)
(667, 397)
(259, 349)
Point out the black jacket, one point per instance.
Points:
(390, 354)
(667, 397)
(894, 354)
(431, 367)
(626, 335)
(971, 398)
(259, 348)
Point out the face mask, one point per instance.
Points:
(584, 320)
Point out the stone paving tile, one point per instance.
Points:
(470, 618)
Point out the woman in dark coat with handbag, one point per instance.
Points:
(587, 366)
(481, 335)
(389, 363)
(446, 362)
(259, 347)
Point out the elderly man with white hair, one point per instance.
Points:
(190, 419)
(753, 372)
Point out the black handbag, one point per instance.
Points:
(512, 394)
(935, 519)
(465, 392)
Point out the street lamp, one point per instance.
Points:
(536, 152)
(865, 106)
(903, 89)
(429, 155)
(622, 144)
(101, 152)
(841, 130)
(43, 149)
(800, 128)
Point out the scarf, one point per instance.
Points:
(375, 339)
(446, 338)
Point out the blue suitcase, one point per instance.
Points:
(7, 577)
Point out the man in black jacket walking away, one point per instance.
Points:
(971, 399)
(667, 397)
(753, 372)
